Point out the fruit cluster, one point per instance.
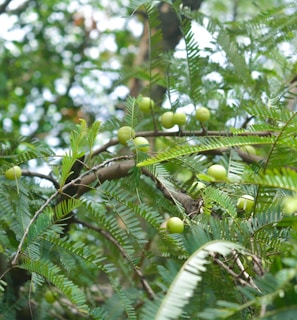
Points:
(127, 133)
(168, 119)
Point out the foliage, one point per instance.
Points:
(86, 220)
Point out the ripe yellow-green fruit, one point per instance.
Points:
(141, 144)
(175, 225)
(49, 296)
(217, 171)
(13, 173)
(183, 175)
(179, 118)
(198, 185)
(125, 133)
(202, 114)
(246, 203)
(145, 104)
(290, 205)
(167, 120)
(248, 149)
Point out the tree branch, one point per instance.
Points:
(181, 133)
(110, 238)
(29, 173)
(4, 6)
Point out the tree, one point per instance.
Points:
(83, 229)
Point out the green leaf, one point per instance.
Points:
(184, 284)
(209, 143)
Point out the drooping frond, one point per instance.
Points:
(132, 112)
(272, 113)
(234, 56)
(45, 223)
(222, 199)
(193, 61)
(82, 251)
(284, 178)
(189, 276)
(271, 288)
(54, 274)
(208, 143)
(155, 42)
(29, 150)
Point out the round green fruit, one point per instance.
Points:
(49, 296)
(202, 114)
(199, 185)
(290, 205)
(183, 175)
(179, 118)
(175, 225)
(145, 104)
(167, 120)
(141, 144)
(13, 173)
(248, 149)
(246, 203)
(217, 171)
(125, 133)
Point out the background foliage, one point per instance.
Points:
(82, 231)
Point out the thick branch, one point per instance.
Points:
(115, 171)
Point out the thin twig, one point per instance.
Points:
(110, 238)
(41, 176)
(244, 272)
(248, 282)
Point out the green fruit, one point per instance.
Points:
(145, 104)
(175, 225)
(125, 133)
(196, 188)
(202, 114)
(183, 175)
(248, 149)
(199, 185)
(141, 144)
(49, 296)
(217, 171)
(246, 203)
(13, 173)
(167, 120)
(161, 144)
(290, 205)
(179, 118)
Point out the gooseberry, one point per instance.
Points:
(167, 120)
(125, 133)
(141, 144)
(290, 205)
(245, 202)
(179, 118)
(202, 114)
(49, 296)
(145, 104)
(175, 225)
(217, 171)
(13, 173)
(248, 149)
